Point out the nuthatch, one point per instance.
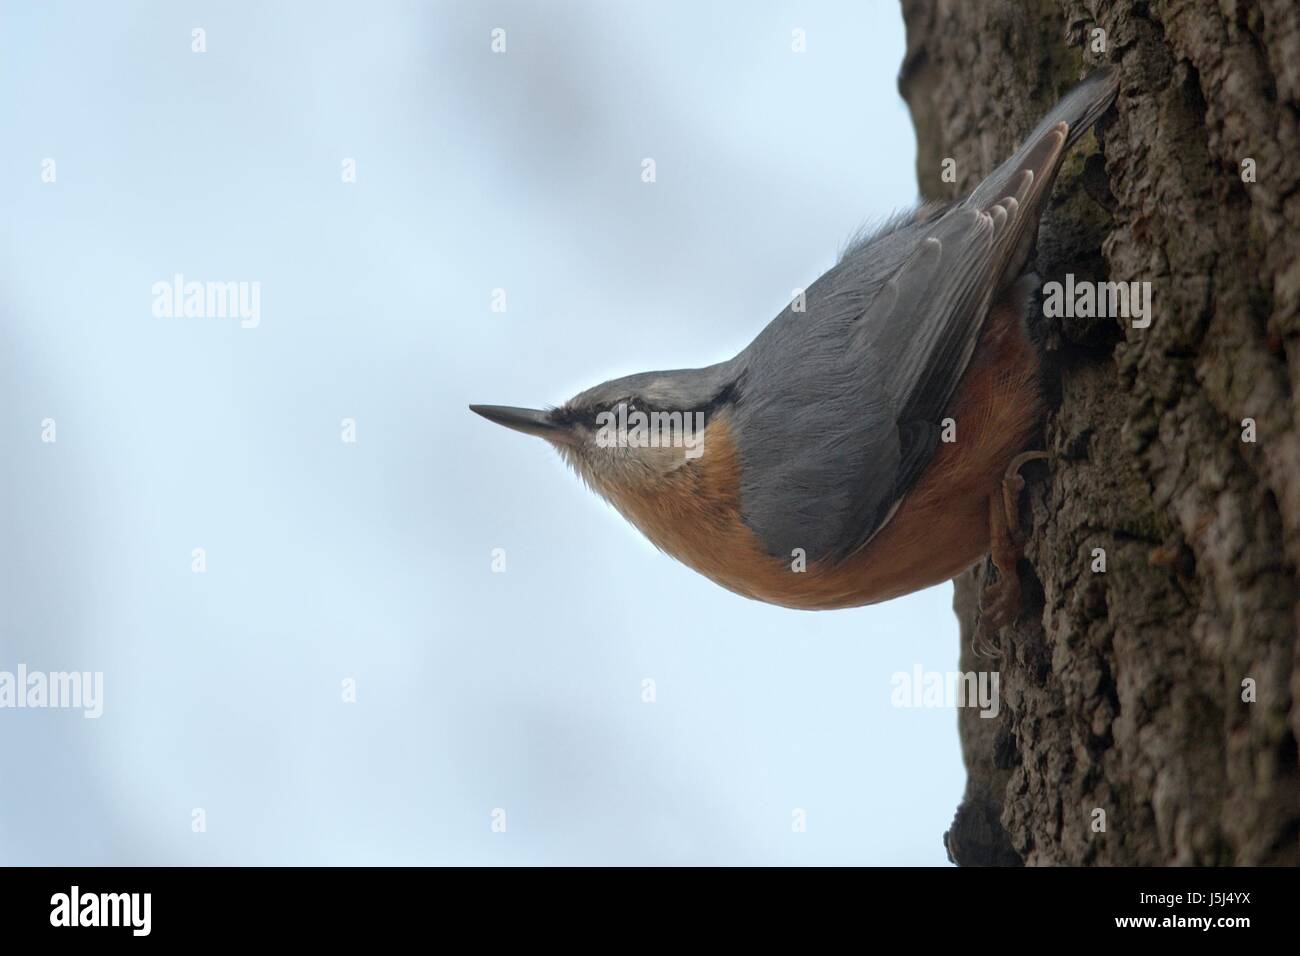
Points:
(823, 477)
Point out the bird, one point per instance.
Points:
(868, 442)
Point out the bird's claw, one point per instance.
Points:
(1000, 600)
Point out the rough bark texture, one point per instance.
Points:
(1123, 691)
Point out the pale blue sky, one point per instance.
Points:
(371, 560)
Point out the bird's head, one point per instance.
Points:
(627, 436)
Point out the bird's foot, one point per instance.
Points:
(1012, 485)
(1000, 600)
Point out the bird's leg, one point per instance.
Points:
(1000, 602)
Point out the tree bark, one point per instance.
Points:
(1128, 691)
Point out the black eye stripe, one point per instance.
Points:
(569, 416)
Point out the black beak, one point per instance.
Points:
(530, 421)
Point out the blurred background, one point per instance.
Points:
(372, 561)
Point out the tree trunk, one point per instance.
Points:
(1160, 691)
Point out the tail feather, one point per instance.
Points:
(1078, 110)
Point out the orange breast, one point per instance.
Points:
(940, 529)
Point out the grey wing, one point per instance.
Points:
(925, 321)
(826, 470)
(841, 408)
(927, 318)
